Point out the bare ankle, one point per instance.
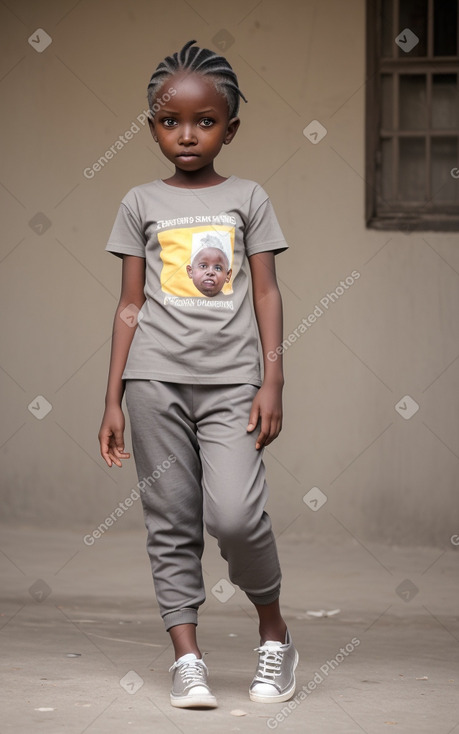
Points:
(276, 633)
(180, 654)
(183, 638)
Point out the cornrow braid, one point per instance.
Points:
(203, 61)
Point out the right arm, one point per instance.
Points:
(111, 433)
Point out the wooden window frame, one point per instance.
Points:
(403, 216)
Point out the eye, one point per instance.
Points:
(207, 122)
(168, 121)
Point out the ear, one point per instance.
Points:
(189, 271)
(231, 130)
(228, 276)
(151, 124)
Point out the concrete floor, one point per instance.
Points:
(83, 648)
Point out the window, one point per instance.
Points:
(412, 115)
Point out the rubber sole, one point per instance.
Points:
(191, 702)
(281, 697)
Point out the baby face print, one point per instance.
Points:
(209, 270)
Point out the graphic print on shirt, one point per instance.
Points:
(197, 261)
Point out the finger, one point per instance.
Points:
(275, 429)
(104, 449)
(114, 458)
(264, 433)
(253, 417)
(261, 438)
(120, 454)
(119, 441)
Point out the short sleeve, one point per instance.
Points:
(263, 232)
(127, 236)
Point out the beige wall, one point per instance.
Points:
(392, 333)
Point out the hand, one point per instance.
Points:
(267, 405)
(111, 436)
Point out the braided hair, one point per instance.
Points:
(203, 61)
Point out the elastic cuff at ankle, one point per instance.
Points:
(187, 615)
(267, 598)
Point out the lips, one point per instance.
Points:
(187, 155)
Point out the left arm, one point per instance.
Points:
(267, 404)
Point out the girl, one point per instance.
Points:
(188, 361)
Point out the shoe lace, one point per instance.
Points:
(191, 671)
(269, 663)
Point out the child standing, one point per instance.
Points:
(190, 369)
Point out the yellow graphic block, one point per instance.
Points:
(177, 246)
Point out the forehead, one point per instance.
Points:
(193, 90)
(210, 253)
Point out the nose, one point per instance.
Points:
(187, 135)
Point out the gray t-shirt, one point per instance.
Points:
(197, 324)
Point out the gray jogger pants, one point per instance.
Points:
(197, 465)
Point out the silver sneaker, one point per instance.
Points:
(274, 680)
(189, 684)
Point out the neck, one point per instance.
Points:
(206, 176)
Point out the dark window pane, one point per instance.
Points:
(445, 27)
(413, 15)
(445, 102)
(387, 33)
(387, 102)
(444, 186)
(412, 169)
(412, 102)
(386, 169)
